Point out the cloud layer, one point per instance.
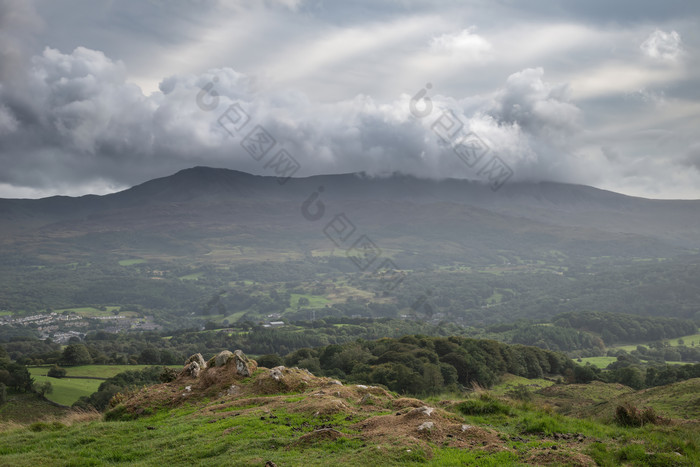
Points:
(557, 97)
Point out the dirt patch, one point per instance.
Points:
(558, 457)
(404, 402)
(424, 425)
(317, 436)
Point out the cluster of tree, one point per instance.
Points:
(13, 375)
(557, 338)
(628, 371)
(418, 364)
(60, 286)
(659, 352)
(621, 327)
(121, 382)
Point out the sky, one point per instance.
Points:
(97, 96)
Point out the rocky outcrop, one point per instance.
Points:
(195, 365)
(197, 358)
(223, 357)
(244, 365)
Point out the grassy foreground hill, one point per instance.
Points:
(230, 412)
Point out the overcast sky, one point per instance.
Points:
(96, 96)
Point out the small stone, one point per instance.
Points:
(425, 410)
(426, 426)
(276, 372)
(469, 427)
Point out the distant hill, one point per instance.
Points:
(186, 212)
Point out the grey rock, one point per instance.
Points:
(197, 358)
(222, 358)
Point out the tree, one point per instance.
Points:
(56, 372)
(3, 393)
(149, 356)
(43, 388)
(76, 354)
(270, 361)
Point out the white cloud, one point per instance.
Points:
(464, 45)
(664, 46)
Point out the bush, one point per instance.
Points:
(56, 372)
(270, 361)
(118, 413)
(521, 393)
(168, 375)
(485, 404)
(629, 415)
(45, 426)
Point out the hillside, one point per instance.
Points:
(230, 411)
(219, 204)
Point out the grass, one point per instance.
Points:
(26, 408)
(198, 434)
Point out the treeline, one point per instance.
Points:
(660, 352)
(624, 328)
(154, 348)
(419, 364)
(626, 371)
(560, 338)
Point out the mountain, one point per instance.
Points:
(196, 210)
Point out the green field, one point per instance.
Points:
(68, 390)
(191, 277)
(509, 382)
(599, 362)
(89, 311)
(131, 262)
(315, 301)
(692, 339)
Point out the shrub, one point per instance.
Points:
(44, 426)
(483, 405)
(118, 413)
(56, 372)
(521, 393)
(167, 375)
(629, 415)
